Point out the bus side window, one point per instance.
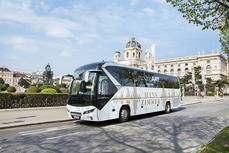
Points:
(103, 85)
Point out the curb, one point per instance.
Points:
(33, 108)
(191, 103)
(14, 126)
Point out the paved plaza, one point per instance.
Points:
(183, 130)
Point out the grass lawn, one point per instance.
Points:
(220, 143)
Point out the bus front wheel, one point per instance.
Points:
(124, 114)
(167, 107)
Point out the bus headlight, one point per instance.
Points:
(89, 111)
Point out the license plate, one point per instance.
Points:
(75, 115)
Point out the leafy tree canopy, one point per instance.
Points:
(224, 40)
(2, 87)
(2, 81)
(210, 14)
(24, 83)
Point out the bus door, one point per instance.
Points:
(106, 90)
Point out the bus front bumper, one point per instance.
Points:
(88, 113)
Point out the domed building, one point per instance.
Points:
(132, 55)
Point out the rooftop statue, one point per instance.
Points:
(48, 68)
(48, 75)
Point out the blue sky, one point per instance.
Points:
(71, 33)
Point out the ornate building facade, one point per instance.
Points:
(215, 65)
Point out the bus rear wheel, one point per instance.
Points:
(167, 107)
(124, 114)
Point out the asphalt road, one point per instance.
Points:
(183, 130)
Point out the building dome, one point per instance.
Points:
(133, 44)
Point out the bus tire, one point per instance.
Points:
(167, 107)
(124, 114)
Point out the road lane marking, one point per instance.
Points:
(60, 136)
(32, 132)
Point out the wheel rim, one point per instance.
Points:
(124, 114)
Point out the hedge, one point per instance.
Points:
(11, 89)
(32, 89)
(23, 100)
(49, 90)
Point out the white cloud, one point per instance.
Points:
(65, 53)
(148, 11)
(52, 26)
(44, 6)
(20, 43)
(60, 11)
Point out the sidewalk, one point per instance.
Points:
(31, 116)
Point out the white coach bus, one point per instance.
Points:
(104, 91)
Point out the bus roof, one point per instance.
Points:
(99, 65)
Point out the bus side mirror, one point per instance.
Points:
(68, 75)
(87, 76)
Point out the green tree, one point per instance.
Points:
(7, 85)
(210, 85)
(224, 40)
(24, 83)
(11, 89)
(221, 84)
(186, 79)
(2, 87)
(2, 81)
(210, 14)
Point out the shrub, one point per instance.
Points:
(64, 90)
(32, 89)
(2, 87)
(210, 93)
(11, 89)
(50, 86)
(49, 90)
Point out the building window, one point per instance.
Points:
(127, 54)
(186, 70)
(179, 71)
(178, 65)
(165, 66)
(171, 71)
(159, 71)
(208, 61)
(139, 55)
(133, 55)
(171, 65)
(165, 71)
(186, 64)
(208, 68)
(159, 66)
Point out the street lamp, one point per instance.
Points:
(203, 79)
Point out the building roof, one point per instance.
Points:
(133, 43)
(4, 69)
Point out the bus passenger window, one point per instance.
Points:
(105, 86)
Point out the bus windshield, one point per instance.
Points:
(82, 85)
